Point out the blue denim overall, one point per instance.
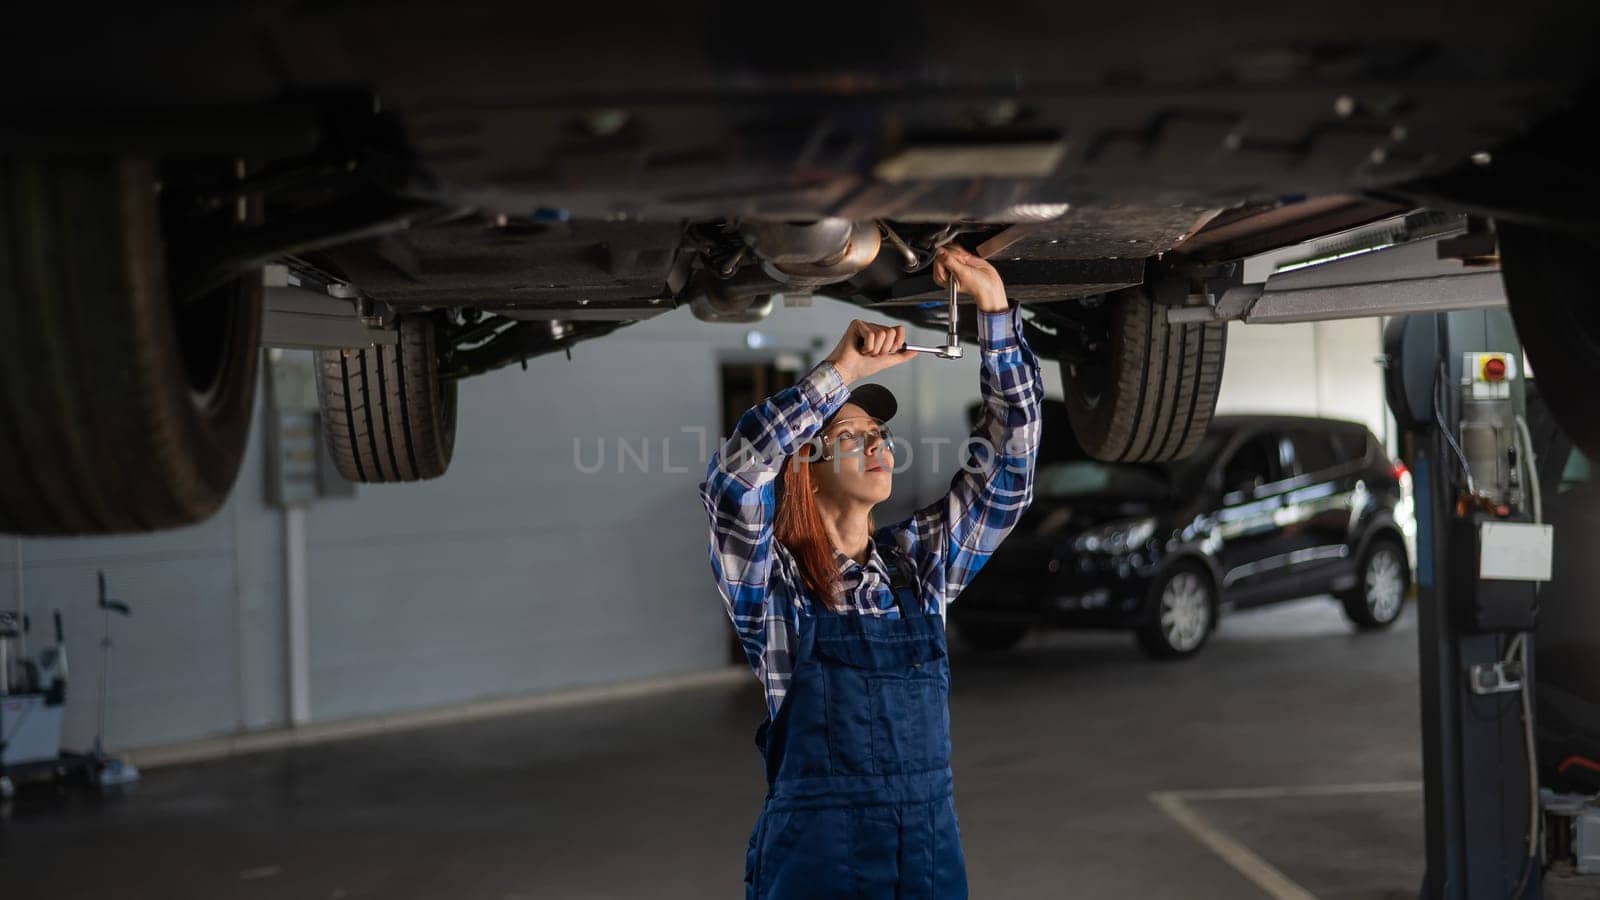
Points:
(859, 801)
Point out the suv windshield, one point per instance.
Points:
(1081, 478)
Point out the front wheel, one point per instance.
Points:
(1380, 595)
(1185, 614)
(124, 406)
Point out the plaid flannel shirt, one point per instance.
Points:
(947, 541)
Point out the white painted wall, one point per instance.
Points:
(1308, 368)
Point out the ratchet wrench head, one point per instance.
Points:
(951, 349)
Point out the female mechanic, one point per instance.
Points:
(844, 622)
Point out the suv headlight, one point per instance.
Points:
(1116, 538)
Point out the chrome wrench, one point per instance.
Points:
(952, 345)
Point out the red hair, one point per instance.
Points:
(799, 527)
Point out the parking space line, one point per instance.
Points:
(1245, 861)
(1260, 872)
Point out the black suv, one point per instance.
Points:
(1269, 508)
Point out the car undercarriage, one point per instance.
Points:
(469, 189)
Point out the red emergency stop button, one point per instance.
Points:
(1494, 369)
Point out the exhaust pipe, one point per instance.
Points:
(812, 254)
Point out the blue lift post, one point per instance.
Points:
(1476, 783)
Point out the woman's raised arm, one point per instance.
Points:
(956, 534)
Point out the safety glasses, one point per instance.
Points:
(852, 441)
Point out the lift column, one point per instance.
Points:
(1455, 385)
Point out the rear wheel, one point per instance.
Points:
(122, 406)
(1550, 284)
(1185, 614)
(387, 413)
(990, 637)
(1149, 387)
(1380, 593)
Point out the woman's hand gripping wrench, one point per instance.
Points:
(952, 345)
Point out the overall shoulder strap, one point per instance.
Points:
(903, 583)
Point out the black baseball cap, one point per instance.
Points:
(876, 399)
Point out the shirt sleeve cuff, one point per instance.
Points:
(998, 330)
(824, 388)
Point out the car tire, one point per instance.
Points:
(387, 414)
(1183, 615)
(1149, 391)
(1383, 578)
(990, 637)
(121, 408)
(1550, 286)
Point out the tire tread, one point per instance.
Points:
(387, 415)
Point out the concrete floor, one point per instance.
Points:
(1059, 746)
